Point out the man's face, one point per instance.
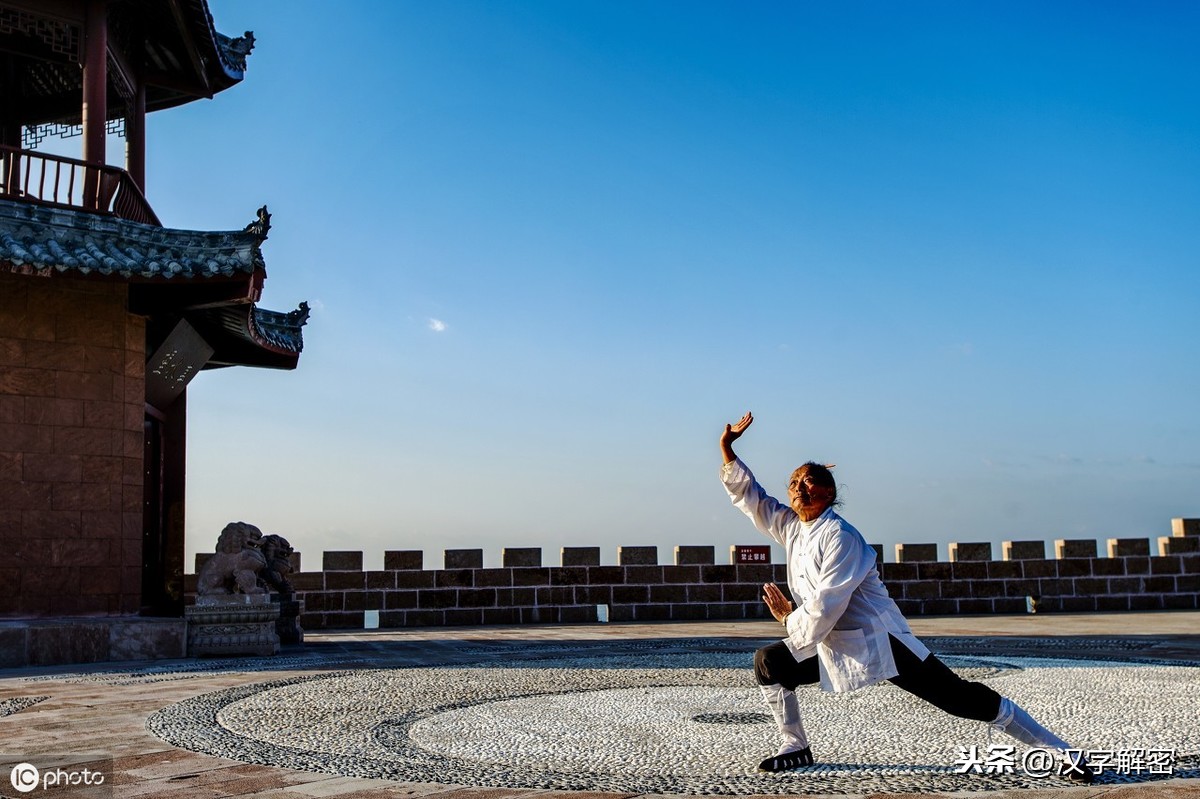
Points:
(806, 497)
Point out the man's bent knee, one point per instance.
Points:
(773, 665)
(762, 672)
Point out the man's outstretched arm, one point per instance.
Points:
(732, 433)
(768, 515)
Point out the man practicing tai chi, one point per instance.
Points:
(846, 632)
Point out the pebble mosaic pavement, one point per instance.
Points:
(18, 703)
(676, 716)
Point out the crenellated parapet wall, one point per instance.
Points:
(1075, 579)
(523, 591)
(694, 587)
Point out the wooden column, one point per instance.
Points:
(180, 356)
(165, 462)
(135, 137)
(95, 94)
(174, 495)
(10, 126)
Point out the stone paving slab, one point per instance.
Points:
(105, 707)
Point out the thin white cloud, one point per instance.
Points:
(1062, 459)
(993, 463)
(963, 349)
(437, 325)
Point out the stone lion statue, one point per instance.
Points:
(235, 567)
(278, 553)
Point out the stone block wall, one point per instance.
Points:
(72, 397)
(694, 587)
(522, 591)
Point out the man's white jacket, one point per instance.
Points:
(843, 612)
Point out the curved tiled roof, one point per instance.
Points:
(39, 239)
(174, 43)
(42, 240)
(280, 330)
(251, 336)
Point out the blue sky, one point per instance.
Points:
(551, 248)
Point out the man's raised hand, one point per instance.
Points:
(732, 433)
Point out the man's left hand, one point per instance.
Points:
(777, 603)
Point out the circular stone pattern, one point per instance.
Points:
(684, 722)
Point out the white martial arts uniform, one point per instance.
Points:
(843, 612)
(844, 615)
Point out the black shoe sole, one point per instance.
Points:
(792, 760)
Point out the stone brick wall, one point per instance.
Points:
(1076, 579)
(72, 394)
(694, 587)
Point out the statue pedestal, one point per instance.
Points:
(232, 624)
(288, 626)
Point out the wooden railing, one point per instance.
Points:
(70, 183)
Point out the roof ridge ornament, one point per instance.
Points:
(299, 317)
(230, 52)
(242, 45)
(260, 226)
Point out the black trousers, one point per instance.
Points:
(929, 679)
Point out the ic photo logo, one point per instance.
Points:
(24, 777)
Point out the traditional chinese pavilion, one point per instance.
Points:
(105, 317)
